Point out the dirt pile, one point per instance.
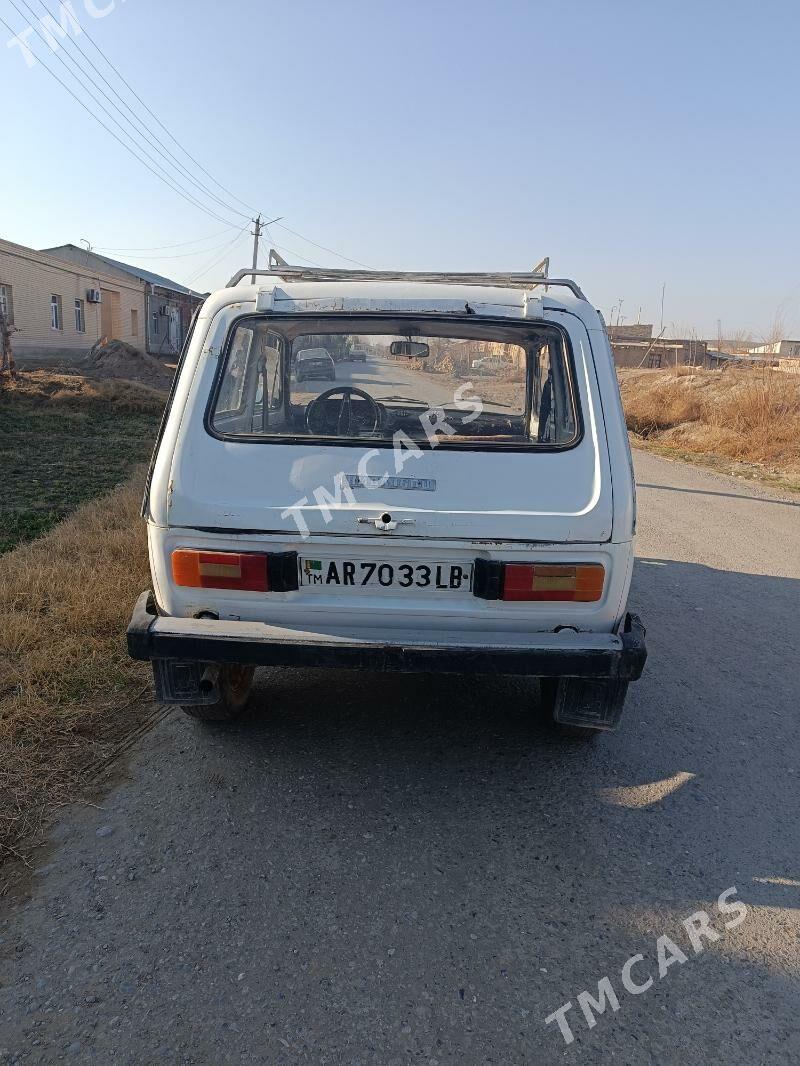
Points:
(50, 389)
(115, 359)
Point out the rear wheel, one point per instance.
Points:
(235, 684)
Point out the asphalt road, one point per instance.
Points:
(388, 870)
(386, 377)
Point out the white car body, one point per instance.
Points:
(568, 506)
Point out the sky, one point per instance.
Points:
(637, 144)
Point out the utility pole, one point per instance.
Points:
(256, 238)
(663, 288)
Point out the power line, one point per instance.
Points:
(124, 144)
(158, 247)
(204, 270)
(182, 255)
(190, 197)
(171, 180)
(288, 251)
(152, 138)
(152, 114)
(321, 246)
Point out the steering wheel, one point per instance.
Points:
(344, 423)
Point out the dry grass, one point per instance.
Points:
(65, 440)
(64, 671)
(747, 415)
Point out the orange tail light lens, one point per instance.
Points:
(220, 570)
(582, 583)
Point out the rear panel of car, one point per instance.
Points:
(515, 505)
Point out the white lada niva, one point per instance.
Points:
(393, 471)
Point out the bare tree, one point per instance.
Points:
(7, 366)
(777, 330)
(738, 340)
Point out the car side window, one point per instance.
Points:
(231, 393)
(271, 371)
(552, 409)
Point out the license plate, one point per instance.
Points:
(425, 577)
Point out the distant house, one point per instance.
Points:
(60, 309)
(167, 306)
(780, 349)
(61, 301)
(635, 346)
(636, 331)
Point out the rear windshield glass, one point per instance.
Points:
(466, 385)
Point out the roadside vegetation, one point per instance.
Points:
(747, 420)
(68, 691)
(63, 440)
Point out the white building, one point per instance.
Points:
(780, 349)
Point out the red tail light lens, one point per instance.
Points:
(542, 581)
(245, 571)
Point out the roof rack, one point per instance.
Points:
(278, 268)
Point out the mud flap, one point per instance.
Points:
(183, 681)
(593, 704)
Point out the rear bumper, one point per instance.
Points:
(615, 656)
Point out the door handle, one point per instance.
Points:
(385, 523)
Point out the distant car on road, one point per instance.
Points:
(314, 364)
(358, 355)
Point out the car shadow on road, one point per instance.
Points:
(728, 495)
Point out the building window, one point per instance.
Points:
(6, 304)
(56, 318)
(156, 324)
(80, 316)
(134, 322)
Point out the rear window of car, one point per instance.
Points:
(469, 385)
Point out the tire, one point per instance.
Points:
(235, 684)
(548, 687)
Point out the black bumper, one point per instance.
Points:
(616, 656)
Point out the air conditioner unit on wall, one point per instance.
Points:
(94, 296)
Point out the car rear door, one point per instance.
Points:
(526, 494)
